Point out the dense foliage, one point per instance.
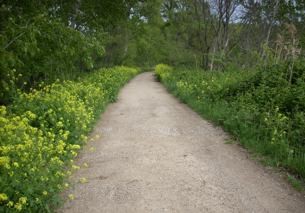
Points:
(41, 41)
(41, 132)
(264, 109)
(41, 49)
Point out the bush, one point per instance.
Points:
(43, 130)
(162, 71)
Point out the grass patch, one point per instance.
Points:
(297, 184)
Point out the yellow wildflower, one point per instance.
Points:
(4, 161)
(83, 180)
(75, 167)
(71, 196)
(18, 206)
(22, 200)
(59, 124)
(10, 204)
(75, 147)
(3, 197)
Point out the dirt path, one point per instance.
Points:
(156, 155)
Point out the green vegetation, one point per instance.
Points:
(41, 132)
(297, 184)
(51, 93)
(43, 50)
(239, 63)
(262, 109)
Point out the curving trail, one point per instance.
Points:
(157, 155)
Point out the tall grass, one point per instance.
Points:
(261, 109)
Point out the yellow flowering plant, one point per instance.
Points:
(42, 131)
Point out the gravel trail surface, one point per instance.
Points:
(157, 155)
